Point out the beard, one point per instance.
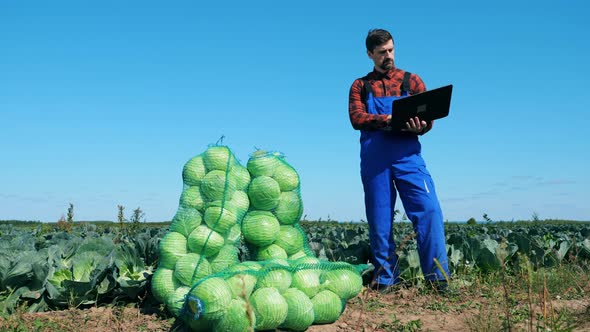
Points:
(387, 64)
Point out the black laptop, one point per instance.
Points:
(427, 106)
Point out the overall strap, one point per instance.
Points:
(366, 90)
(405, 83)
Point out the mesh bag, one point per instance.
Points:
(277, 282)
(271, 226)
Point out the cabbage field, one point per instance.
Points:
(43, 268)
(237, 255)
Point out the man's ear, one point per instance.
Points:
(369, 54)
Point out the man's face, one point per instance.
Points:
(383, 56)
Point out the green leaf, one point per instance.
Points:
(487, 259)
(129, 263)
(20, 270)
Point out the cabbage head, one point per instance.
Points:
(270, 308)
(300, 313)
(262, 163)
(218, 158)
(260, 228)
(194, 171)
(264, 193)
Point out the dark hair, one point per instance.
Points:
(376, 37)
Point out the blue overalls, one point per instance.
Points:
(392, 160)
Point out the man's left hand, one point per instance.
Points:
(414, 125)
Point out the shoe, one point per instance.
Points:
(368, 275)
(441, 287)
(385, 289)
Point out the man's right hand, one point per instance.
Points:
(388, 127)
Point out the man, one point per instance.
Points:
(392, 160)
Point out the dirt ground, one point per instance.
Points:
(402, 311)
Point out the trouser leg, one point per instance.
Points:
(418, 196)
(379, 204)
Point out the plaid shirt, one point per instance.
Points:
(383, 84)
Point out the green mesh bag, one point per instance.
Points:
(278, 283)
(271, 227)
(204, 235)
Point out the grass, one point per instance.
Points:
(398, 326)
(115, 318)
(517, 299)
(17, 323)
(529, 299)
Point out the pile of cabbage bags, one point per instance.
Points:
(223, 204)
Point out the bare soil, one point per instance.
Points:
(405, 310)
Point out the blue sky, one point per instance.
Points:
(101, 104)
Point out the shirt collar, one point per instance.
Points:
(379, 75)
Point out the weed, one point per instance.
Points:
(396, 325)
(559, 321)
(487, 319)
(373, 304)
(17, 322)
(438, 306)
(63, 225)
